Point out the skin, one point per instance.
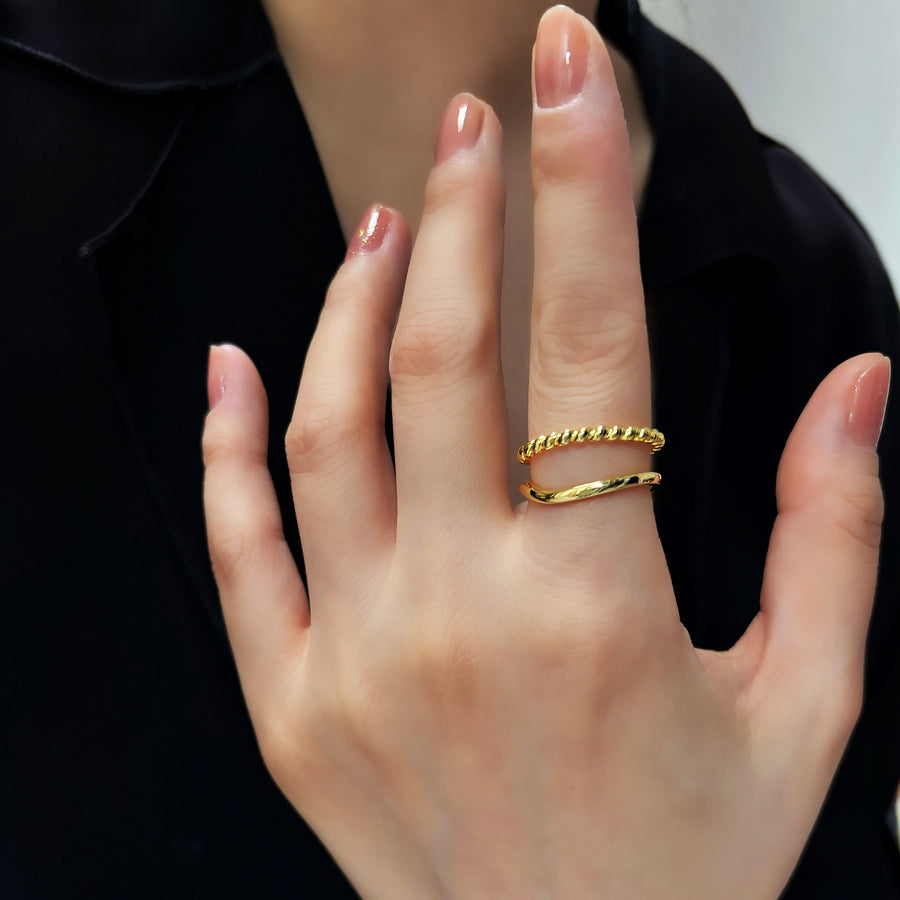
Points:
(375, 134)
(470, 699)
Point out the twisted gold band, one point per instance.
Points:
(651, 436)
(591, 489)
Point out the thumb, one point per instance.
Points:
(822, 563)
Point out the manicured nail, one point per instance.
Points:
(560, 58)
(460, 127)
(867, 404)
(372, 230)
(216, 374)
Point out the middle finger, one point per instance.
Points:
(447, 398)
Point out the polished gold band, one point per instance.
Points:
(651, 436)
(591, 489)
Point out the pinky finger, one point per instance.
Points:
(263, 598)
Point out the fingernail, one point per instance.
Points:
(460, 128)
(560, 58)
(216, 379)
(372, 230)
(867, 404)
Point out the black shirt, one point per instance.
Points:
(159, 191)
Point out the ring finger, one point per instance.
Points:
(589, 353)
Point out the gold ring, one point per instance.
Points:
(651, 436)
(591, 489)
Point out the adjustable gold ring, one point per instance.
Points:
(545, 442)
(591, 489)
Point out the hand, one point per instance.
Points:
(480, 701)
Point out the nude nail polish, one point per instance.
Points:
(560, 58)
(371, 232)
(868, 402)
(460, 127)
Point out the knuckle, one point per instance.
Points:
(365, 721)
(217, 444)
(440, 341)
(346, 288)
(285, 753)
(333, 710)
(565, 642)
(247, 543)
(594, 622)
(448, 663)
(458, 185)
(575, 329)
(858, 512)
(273, 747)
(358, 293)
(576, 342)
(229, 554)
(317, 432)
(570, 154)
(585, 634)
(353, 710)
(585, 655)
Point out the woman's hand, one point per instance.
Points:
(478, 701)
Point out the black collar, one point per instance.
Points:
(709, 196)
(144, 47)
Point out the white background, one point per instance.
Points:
(823, 77)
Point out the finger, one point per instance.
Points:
(589, 352)
(341, 470)
(263, 599)
(449, 411)
(822, 562)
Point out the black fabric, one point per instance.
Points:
(159, 191)
(142, 46)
